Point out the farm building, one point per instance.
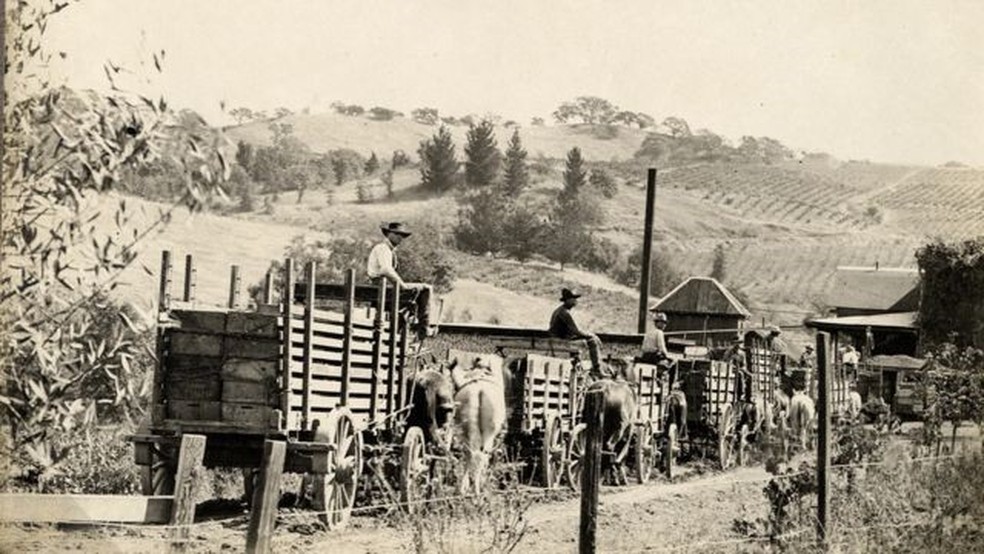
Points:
(874, 290)
(702, 304)
(874, 310)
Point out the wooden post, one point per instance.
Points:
(189, 467)
(268, 289)
(394, 333)
(310, 270)
(401, 376)
(594, 417)
(189, 282)
(823, 438)
(164, 298)
(286, 314)
(157, 413)
(647, 249)
(377, 349)
(347, 334)
(266, 496)
(234, 282)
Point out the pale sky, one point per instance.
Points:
(892, 81)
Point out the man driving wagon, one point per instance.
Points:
(381, 267)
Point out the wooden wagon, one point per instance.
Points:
(321, 368)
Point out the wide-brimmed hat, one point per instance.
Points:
(659, 316)
(395, 227)
(568, 294)
(775, 330)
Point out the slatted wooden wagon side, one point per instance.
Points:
(313, 369)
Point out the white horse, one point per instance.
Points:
(480, 413)
(802, 416)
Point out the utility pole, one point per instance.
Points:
(647, 249)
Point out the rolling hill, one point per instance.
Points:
(784, 227)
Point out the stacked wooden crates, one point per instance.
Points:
(221, 366)
(710, 387)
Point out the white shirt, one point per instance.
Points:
(850, 357)
(654, 341)
(382, 262)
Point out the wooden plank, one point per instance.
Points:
(194, 410)
(207, 387)
(594, 417)
(287, 339)
(67, 508)
(401, 377)
(377, 347)
(248, 414)
(266, 496)
(206, 321)
(268, 288)
(182, 342)
(394, 331)
(190, 458)
(164, 293)
(251, 392)
(311, 274)
(347, 337)
(241, 369)
(191, 363)
(823, 438)
(252, 348)
(335, 329)
(321, 342)
(324, 403)
(252, 324)
(333, 386)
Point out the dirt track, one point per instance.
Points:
(657, 516)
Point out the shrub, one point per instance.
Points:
(363, 193)
(604, 183)
(383, 114)
(952, 287)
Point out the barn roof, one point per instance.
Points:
(702, 295)
(871, 288)
(905, 321)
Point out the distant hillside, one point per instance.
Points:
(323, 132)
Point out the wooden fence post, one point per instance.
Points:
(268, 288)
(266, 496)
(823, 438)
(189, 281)
(377, 349)
(594, 418)
(394, 332)
(190, 459)
(234, 285)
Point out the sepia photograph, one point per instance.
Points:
(440, 276)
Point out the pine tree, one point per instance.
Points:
(575, 176)
(517, 173)
(438, 163)
(482, 156)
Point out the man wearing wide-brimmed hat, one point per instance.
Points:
(382, 266)
(562, 326)
(654, 342)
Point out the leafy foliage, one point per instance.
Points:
(70, 356)
(952, 281)
(604, 183)
(383, 114)
(372, 164)
(426, 116)
(481, 224)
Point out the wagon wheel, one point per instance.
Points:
(551, 452)
(575, 454)
(669, 450)
(741, 444)
(157, 479)
(334, 491)
(413, 468)
(726, 436)
(644, 452)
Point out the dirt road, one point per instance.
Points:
(691, 515)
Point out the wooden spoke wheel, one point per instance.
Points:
(727, 437)
(741, 445)
(157, 479)
(575, 455)
(334, 491)
(551, 452)
(670, 448)
(414, 469)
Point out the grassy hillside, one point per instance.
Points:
(323, 132)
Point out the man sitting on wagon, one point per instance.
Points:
(381, 267)
(562, 326)
(654, 349)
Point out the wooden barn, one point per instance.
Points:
(702, 304)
